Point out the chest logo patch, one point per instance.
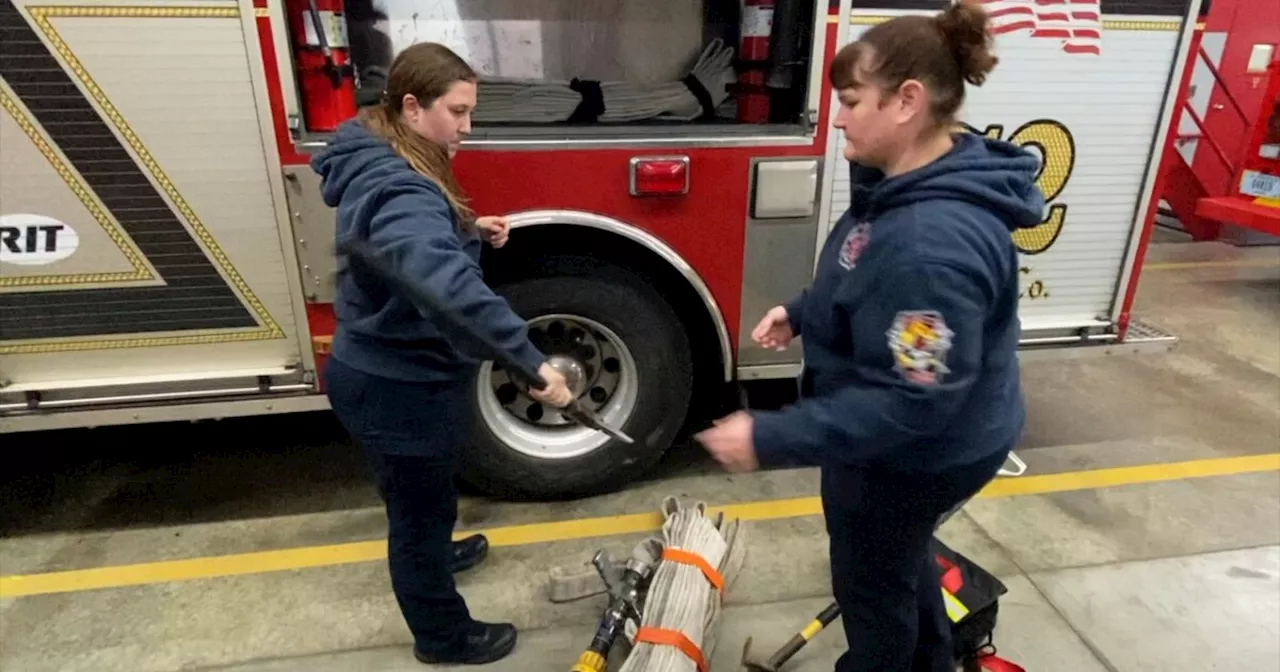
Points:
(920, 341)
(853, 245)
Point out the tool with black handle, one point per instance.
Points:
(362, 255)
(792, 647)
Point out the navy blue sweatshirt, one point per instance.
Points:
(910, 327)
(381, 199)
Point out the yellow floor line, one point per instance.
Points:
(1189, 265)
(584, 528)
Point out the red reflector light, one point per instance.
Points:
(665, 176)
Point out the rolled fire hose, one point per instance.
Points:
(509, 100)
(702, 556)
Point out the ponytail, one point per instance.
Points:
(963, 26)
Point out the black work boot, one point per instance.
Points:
(468, 553)
(478, 644)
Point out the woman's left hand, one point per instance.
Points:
(730, 442)
(493, 230)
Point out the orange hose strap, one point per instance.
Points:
(685, 557)
(648, 635)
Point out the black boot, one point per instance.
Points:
(479, 644)
(468, 553)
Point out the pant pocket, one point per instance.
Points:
(347, 390)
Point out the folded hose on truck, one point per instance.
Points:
(504, 100)
(701, 557)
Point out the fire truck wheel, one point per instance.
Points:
(638, 377)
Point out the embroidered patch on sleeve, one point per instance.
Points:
(919, 341)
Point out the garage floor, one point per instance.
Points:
(1145, 535)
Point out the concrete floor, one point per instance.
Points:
(1172, 574)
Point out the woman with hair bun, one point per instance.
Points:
(910, 397)
(398, 381)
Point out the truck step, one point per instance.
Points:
(1145, 338)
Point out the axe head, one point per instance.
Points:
(754, 665)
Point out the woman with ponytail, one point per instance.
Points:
(397, 382)
(910, 398)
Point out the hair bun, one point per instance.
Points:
(964, 28)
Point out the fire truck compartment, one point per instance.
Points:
(595, 68)
(147, 257)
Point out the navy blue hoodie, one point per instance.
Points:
(381, 199)
(910, 327)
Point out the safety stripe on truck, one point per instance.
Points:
(201, 292)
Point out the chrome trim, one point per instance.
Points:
(1068, 340)
(770, 371)
(1072, 327)
(1142, 339)
(771, 270)
(287, 372)
(157, 397)
(182, 412)
(564, 439)
(636, 160)
(312, 146)
(1094, 350)
(649, 241)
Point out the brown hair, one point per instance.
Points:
(426, 71)
(942, 52)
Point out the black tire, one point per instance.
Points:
(653, 333)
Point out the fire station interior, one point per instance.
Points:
(604, 68)
(1135, 529)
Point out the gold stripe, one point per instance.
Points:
(810, 631)
(261, 12)
(1131, 25)
(88, 199)
(209, 337)
(1226, 263)
(868, 20)
(269, 329)
(292, 559)
(134, 12)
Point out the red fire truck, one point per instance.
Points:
(668, 166)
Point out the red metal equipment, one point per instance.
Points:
(1253, 201)
(1205, 193)
(325, 75)
(757, 26)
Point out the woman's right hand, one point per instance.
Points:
(556, 393)
(774, 331)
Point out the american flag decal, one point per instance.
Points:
(1078, 23)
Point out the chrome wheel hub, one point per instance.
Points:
(599, 369)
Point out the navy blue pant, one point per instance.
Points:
(412, 435)
(880, 522)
